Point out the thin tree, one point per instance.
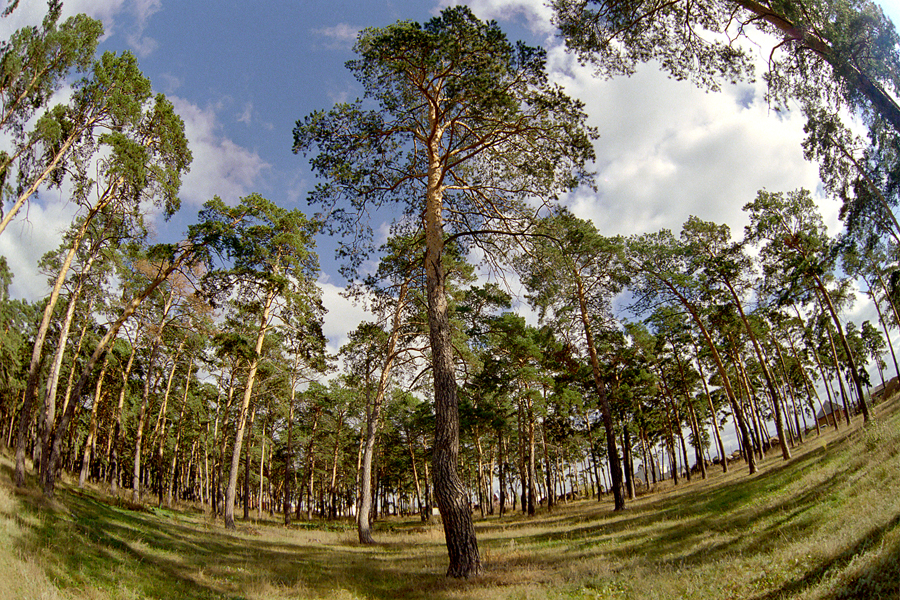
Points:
(268, 259)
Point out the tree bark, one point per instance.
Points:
(452, 500)
(615, 466)
(231, 490)
(91, 440)
(363, 524)
(162, 274)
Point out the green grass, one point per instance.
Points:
(825, 525)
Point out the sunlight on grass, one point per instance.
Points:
(824, 526)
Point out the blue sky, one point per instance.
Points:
(241, 74)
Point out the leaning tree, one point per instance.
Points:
(463, 130)
(832, 58)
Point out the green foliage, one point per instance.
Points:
(830, 57)
(452, 92)
(254, 246)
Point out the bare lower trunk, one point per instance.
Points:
(452, 500)
(231, 490)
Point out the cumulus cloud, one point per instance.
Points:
(536, 13)
(36, 230)
(668, 150)
(126, 17)
(220, 166)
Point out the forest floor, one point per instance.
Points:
(824, 525)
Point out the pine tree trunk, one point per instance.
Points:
(90, 442)
(615, 466)
(712, 411)
(459, 530)
(231, 490)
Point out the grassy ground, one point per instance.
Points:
(825, 525)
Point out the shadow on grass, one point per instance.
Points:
(94, 544)
(747, 516)
(878, 580)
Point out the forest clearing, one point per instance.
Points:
(824, 525)
(525, 336)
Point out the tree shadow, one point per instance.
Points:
(156, 554)
(880, 579)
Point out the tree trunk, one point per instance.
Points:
(712, 411)
(36, 356)
(117, 431)
(893, 306)
(851, 361)
(139, 433)
(48, 412)
(289, 454)
(91, 440)
(363, 524)
(163, 272)
(615, 466)
(332, 487)
(170, 479)
(459, 530)
(231, 490)
(33, 370)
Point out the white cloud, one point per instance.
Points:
(343, 316)
(537, 13)
(36, 230)
(220, 167)
(341, 35)
(136, 13)
(669, 150)
(246, 116)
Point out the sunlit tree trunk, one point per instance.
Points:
(231, 490)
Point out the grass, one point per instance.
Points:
(824, 526)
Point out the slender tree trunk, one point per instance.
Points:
(170, 479)
(231, 490)
(311, 463)
(246, 479)
(36, 356)
(550, 488)
(851, 360)
(767, 374)
(48, 412)
(262, 462)
(893, 306)
(612, 452)
(117, 432)
(628, 462)
(159, 430)
(332, 487)
(363, 523)
(415, 470)
(163, 272)
(712, 411)
(501, 472)
(837, 369)
(717, 359)
(41, 336)
(288, 488)
(142, 419)
(90, 442)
